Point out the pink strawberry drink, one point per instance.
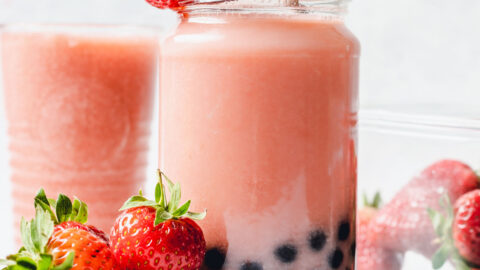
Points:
(79, 102)
(258, 123)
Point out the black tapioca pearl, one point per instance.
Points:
(251, 266)
(317, 240)
(353, 249)
(214, 259)
(343, 231)
(335, 258)
(286, 253)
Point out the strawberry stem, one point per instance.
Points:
(375, 202)
(165, 209)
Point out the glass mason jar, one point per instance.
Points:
(258, 109)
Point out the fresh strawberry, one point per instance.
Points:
(457, 232)
(369, 256)
(177, 5)
(80, 226)
(91, 249)
(158, 234)
(59, 240)
(403, 224)
(466, 227)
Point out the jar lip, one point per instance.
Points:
(336, 8)
(412, 123)
(82, 29)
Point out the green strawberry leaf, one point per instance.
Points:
(158, 192)
(79, 212)
(25, 233)
(42, 197)
(27, 263)
(437, 220)
(136, 198)
(46, 207)
(175, 197)
(82, 215)
(63, 208)
(137, 201)
(196, 216)
(75, 208)
(53, 203)
(45, 261)
(163, 197)
(377, 200)
(442, 222)
(21, 253)
(170, 184)
(67, 264)
(375, 203)
(41, 229)
(182, 210)
(162, 216)
(7, 262)
(441, 256)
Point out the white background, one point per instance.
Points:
(413, 52)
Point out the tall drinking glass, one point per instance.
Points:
(258, 109)
(78, 100)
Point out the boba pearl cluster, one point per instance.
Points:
(337, 251)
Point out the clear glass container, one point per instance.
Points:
(397, 142)
(78, 100)
(258, 113)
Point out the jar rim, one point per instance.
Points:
(334, 8)
(419, 124)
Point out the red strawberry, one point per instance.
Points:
(60, 240)
(156, 234)
(466, 227)
(80, 226)
(403, 224)
(458, 232)
(89, 244)
(369, 256)
(177, 5)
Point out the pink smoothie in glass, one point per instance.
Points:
(79, 103)
(258, 124)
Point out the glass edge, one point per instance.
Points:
(334, 8)
(420, 123)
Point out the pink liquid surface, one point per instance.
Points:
(79, 108)
(258, 123)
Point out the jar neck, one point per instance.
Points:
(329, 9)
